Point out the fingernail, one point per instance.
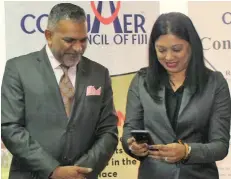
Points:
(150, 147)
(89, 169)
(130, 147)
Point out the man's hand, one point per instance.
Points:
(70, 172)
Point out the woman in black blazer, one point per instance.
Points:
(184, 106)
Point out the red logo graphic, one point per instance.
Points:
(105, 20)
(121, 118)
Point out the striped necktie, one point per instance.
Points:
(67, 90)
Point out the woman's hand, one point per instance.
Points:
(170, 153)
(139, 150)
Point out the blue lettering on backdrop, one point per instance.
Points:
(130, 31)
(226, 18)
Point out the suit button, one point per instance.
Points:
(65, 158)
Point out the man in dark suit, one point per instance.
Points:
(58, 116)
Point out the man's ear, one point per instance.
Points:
(48, 36)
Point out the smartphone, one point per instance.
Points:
(142, 136)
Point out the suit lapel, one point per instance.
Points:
(81, 78)
(50, 82)
(163, 112)
(187, 95)
(80, 82)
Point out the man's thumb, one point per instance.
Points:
(83, 170)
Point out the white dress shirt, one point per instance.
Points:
(55, 64)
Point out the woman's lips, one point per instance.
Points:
(171, 64)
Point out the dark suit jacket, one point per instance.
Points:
(203, 123)
(35, 128)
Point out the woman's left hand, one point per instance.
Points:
(170, 153)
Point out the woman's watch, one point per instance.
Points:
(188, 154)
(187, 151)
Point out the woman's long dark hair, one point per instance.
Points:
(180, 25)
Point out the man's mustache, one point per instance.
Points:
(74, 54)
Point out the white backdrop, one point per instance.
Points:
(213, 22)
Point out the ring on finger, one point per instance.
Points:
(130, 147)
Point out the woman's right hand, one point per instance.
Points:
(139, 150)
